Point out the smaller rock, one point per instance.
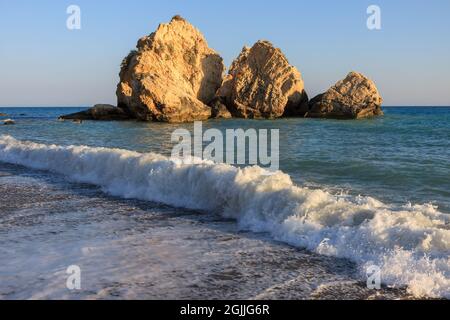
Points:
(102, 112)
(219, 109)
(8, 122)
(3, 114)
(354, 97)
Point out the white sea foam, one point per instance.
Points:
(411, 243)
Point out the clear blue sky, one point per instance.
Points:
(42, 63)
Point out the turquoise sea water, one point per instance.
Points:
(399, 158)
(352, 194)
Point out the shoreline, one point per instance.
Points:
(334, 198)
(329, 224)
(241, 265)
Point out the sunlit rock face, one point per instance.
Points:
(354, 97)
(262, 84)
(172, 75)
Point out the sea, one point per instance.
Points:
(359, 209)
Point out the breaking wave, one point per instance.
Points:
(410, 243)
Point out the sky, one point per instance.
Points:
(43, 63)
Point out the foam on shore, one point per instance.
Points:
(411, 243)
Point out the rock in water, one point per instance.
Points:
(219, 109)
(354, 97)
(3, 114)
(8, 122)
(172, 76)
(104, 112)
(262, 84)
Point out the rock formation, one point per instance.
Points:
(3, 114)
(219, 109)
(104, 112)
(262, 84)
(8, 122)
(172, 75)
(354, 97)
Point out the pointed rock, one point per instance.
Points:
(172, 75)
(262, 84)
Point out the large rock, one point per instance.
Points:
(262, 84)
(172, 75)
(354, 97)
(102, 112)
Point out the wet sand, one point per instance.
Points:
(129, 249)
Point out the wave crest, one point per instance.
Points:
(411, 244)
